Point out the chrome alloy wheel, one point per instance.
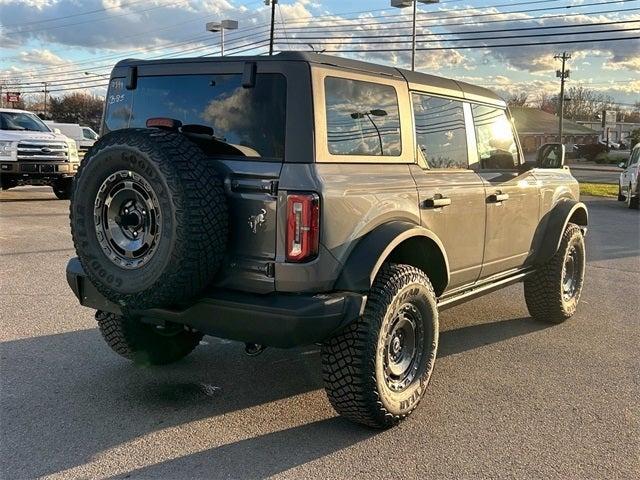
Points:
(404, 348)
(127, 219)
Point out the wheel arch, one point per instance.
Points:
(554, 223)
(398, 242)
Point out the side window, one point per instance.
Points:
(362, 118)
(497, 148)
(634, 156)
(86, 133)
(440, 131)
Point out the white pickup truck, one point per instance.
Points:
(85, 137)
(31, 153)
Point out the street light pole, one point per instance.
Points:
(414, 5)
(221, 27)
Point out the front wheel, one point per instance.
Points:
(62, 188)
(633, 202)
(621, 197)
(553, 291)
(376, 370)
(146, 344)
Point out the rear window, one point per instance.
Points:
(252, 119)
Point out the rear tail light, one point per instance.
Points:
(303, 226)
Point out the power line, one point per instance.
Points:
(379, 50)
(472, 32)
(373, 42)
(57, 69)
(434, 18)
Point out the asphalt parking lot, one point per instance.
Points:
(510, 398)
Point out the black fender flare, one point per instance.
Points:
(374, 248)
(554, 223)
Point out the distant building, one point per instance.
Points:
(535, 128)
(618, 132)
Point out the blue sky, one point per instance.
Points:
(57, 40)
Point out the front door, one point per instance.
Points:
(512, 196)
(451, 195)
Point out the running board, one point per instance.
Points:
(478, 290)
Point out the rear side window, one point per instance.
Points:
(440, 131)
(362, 118)
(250, 119)
(495, 138)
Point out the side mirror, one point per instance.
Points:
(57, 130)
(622, 164)
(550, 155)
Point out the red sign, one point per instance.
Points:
(13, 97)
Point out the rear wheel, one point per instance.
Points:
(553, 291)
(146, 344)
(377, 369)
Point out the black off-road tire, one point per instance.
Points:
(354, 360)
(63, 188)
(191, 204)
(633, 202)
(146, 344)
(544, 290)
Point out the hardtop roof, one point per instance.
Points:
(456, 88)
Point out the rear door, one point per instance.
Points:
(246, 106)
(512, 197)
(451, 195)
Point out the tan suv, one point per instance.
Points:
(302, 198)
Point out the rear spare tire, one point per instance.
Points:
(148, 218)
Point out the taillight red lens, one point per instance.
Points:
(303, 226)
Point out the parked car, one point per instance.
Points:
(85, 137)
(590, 151)
(302, 198)
(31, 153)
(628, 182)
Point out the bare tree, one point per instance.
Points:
(518, 99)
(585, 104)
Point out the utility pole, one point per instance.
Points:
(273, 4)
(563, 74)
(45, 97)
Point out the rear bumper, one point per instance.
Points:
(277, 319)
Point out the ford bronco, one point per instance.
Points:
(307, 199)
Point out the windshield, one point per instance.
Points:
(250, 119)
(21, 121)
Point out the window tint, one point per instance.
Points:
(362, 118)
(250, 119)
(440, 131)
(494, 136)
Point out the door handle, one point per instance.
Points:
(436, 202)
(498, 197)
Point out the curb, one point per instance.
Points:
(596, 169)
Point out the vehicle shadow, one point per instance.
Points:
(65, 398)
(36, 199)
